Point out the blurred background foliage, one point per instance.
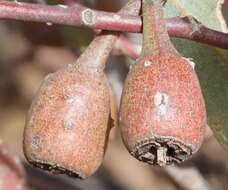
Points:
(29, 51)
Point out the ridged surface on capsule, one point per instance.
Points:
(162, 113)
(67, 125)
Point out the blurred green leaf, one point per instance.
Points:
(203, 10)
(223, 55)
(76, 38)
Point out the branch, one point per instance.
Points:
(188, 178)
(124, 47)
(83, 17)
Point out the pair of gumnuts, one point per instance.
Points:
(162, 113)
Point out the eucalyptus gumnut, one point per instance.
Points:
(68, 123)
(162, 112)
(12, 175)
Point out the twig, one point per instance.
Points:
(84, 17)
(124, 47)
(188, 178)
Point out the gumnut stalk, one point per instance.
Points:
(68, 123)
(12, 175)
(162, 112)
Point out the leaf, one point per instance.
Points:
(223, 55)
(208, 12)
(76, 37)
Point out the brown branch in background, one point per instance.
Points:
(80, 16)
(190, 29)
(123, 46)
(195, 179)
